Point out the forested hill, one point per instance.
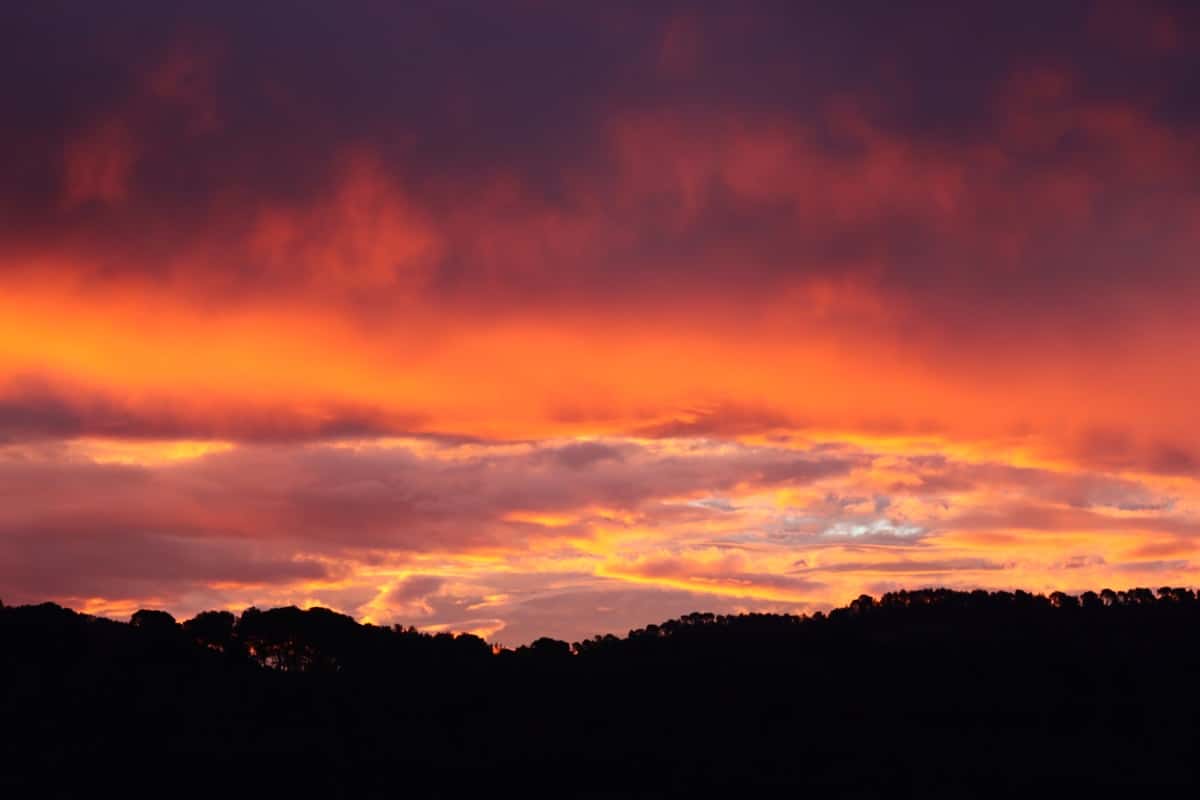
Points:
(938, 692)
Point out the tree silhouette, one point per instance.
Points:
(213, 629)
(935, 692)
(155, 622)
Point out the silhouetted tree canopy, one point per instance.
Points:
(213, 629)
(929, 693)
(157, 622)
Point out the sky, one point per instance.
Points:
(533, 318)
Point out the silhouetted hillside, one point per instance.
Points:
(929, 693)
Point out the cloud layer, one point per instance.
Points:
(568, 535)
(453, 314)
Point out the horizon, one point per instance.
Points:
(1106, 597)
(525, 321)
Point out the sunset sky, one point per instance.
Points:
(534, 318)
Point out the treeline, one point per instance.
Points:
(936, 692)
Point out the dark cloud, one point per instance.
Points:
(1119, 449)
(803, 470)
(34, 408)
(415, 587)
(92, 558)
(1173, 460)
(580, 455)
(1008, 155)
(1154, 566)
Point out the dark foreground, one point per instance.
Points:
(930, 693)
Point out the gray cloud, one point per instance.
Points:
(71, 526)
(415, 587)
